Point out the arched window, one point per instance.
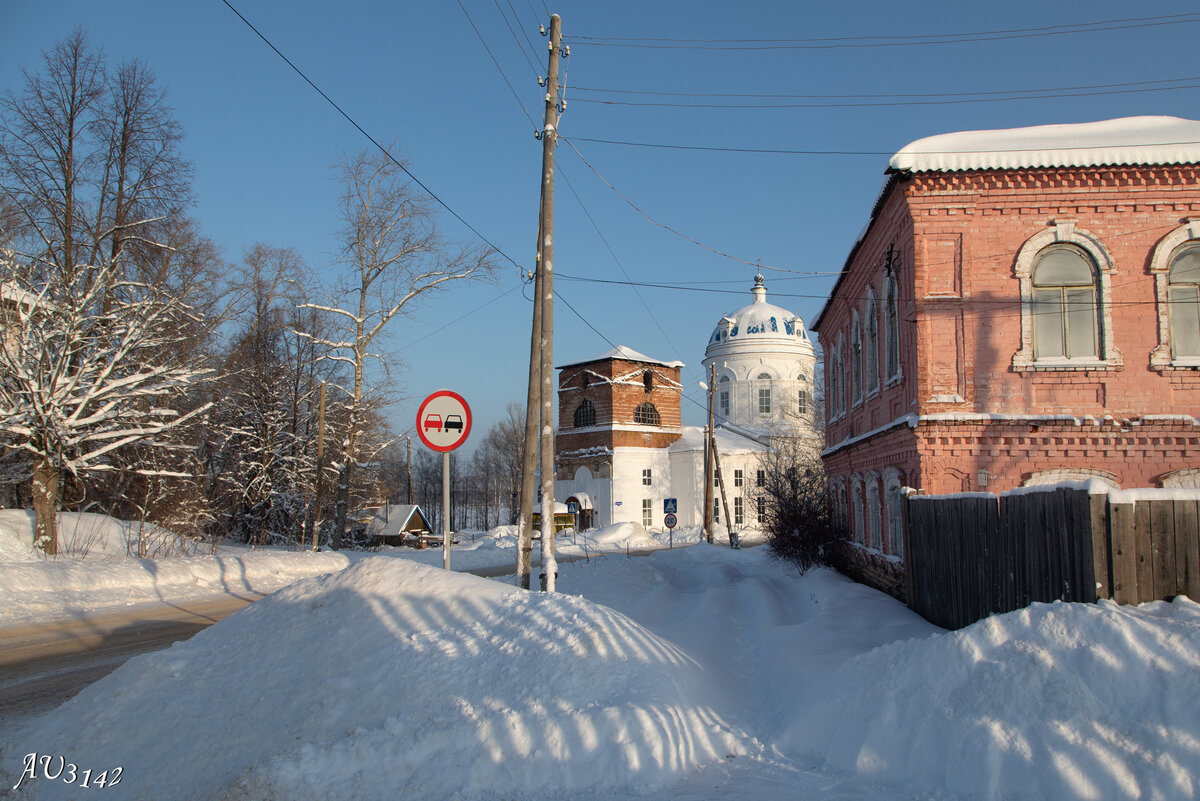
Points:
(724, 395)
(872, 350)
(891, 324)
(856, 365)
(1065, 323)
(585, 415)
(1183, 297)
(874, 512)
(893, 497)
(1065, 275)
(764, 394)
(645, 414)
(856, 506)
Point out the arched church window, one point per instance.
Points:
(585, 415)
(724, 395)
(645, 414)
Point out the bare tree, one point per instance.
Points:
(798, 518)
(392, 254)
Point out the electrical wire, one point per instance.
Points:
(516, 39)
(883, 103)
(666, 227)
(917, 40)
(882, 95)
(499, 69)
(370, 138)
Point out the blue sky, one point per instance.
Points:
(418, 75)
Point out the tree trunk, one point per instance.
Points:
(46, 480)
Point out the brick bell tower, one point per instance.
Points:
(617, 401)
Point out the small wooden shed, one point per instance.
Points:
(399, 524)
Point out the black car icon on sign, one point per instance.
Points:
(453, 421)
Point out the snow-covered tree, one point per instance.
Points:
(391, 254)
(90, 365)
(101, 338)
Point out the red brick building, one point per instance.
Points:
(1022, 308)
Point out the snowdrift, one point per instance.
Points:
(393, 680)
(1057, 701)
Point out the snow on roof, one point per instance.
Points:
(1127, 140)
(622, 352)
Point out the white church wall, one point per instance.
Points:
(628, 489)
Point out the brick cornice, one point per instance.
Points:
(1055, 178)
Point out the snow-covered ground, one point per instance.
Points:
(94, 572)
(699, 673)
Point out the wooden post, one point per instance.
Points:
(709, 439)
(549, 139)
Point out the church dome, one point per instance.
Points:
(757, 326)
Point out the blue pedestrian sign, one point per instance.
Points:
(670, 506)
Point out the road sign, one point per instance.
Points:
(670, 505)
(443, 421)
(670, 520)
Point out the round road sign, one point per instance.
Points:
(670, 520)
(443, 421)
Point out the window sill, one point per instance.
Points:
(1189, 363)
(1068, 365)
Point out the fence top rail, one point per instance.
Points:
(1092, 487)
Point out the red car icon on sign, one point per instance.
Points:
(434, 421)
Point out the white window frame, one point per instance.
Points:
(1160, 268)
(891, 324)
(739, 478)
(739, 511)
(871, 348)
(1065, 232)
(647, 477)
(764, 394)
(647, 513)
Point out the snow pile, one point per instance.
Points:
(83, 535)
(1057, 701)
(392, 680)
(34, 587)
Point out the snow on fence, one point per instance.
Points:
(973, 555)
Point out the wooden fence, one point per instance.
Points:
(970, 556)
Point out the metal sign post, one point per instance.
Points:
(670, 520)
(443, 424)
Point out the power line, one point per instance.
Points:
(666, 227)
(888, 153)
(516, 39)
(370, 138)
(499, 69)
(868, 96)
(887, 103)
(918, 40)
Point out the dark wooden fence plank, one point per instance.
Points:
(1101, 555)
(1162, 544)
(1124, 552)
(1144, 550)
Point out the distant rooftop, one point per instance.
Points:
(1124, 141)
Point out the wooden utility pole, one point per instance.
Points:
(320, 471)
(708, 456)
(529, 450)
(549, 140)
(539, 405)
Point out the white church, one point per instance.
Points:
(621, 447)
